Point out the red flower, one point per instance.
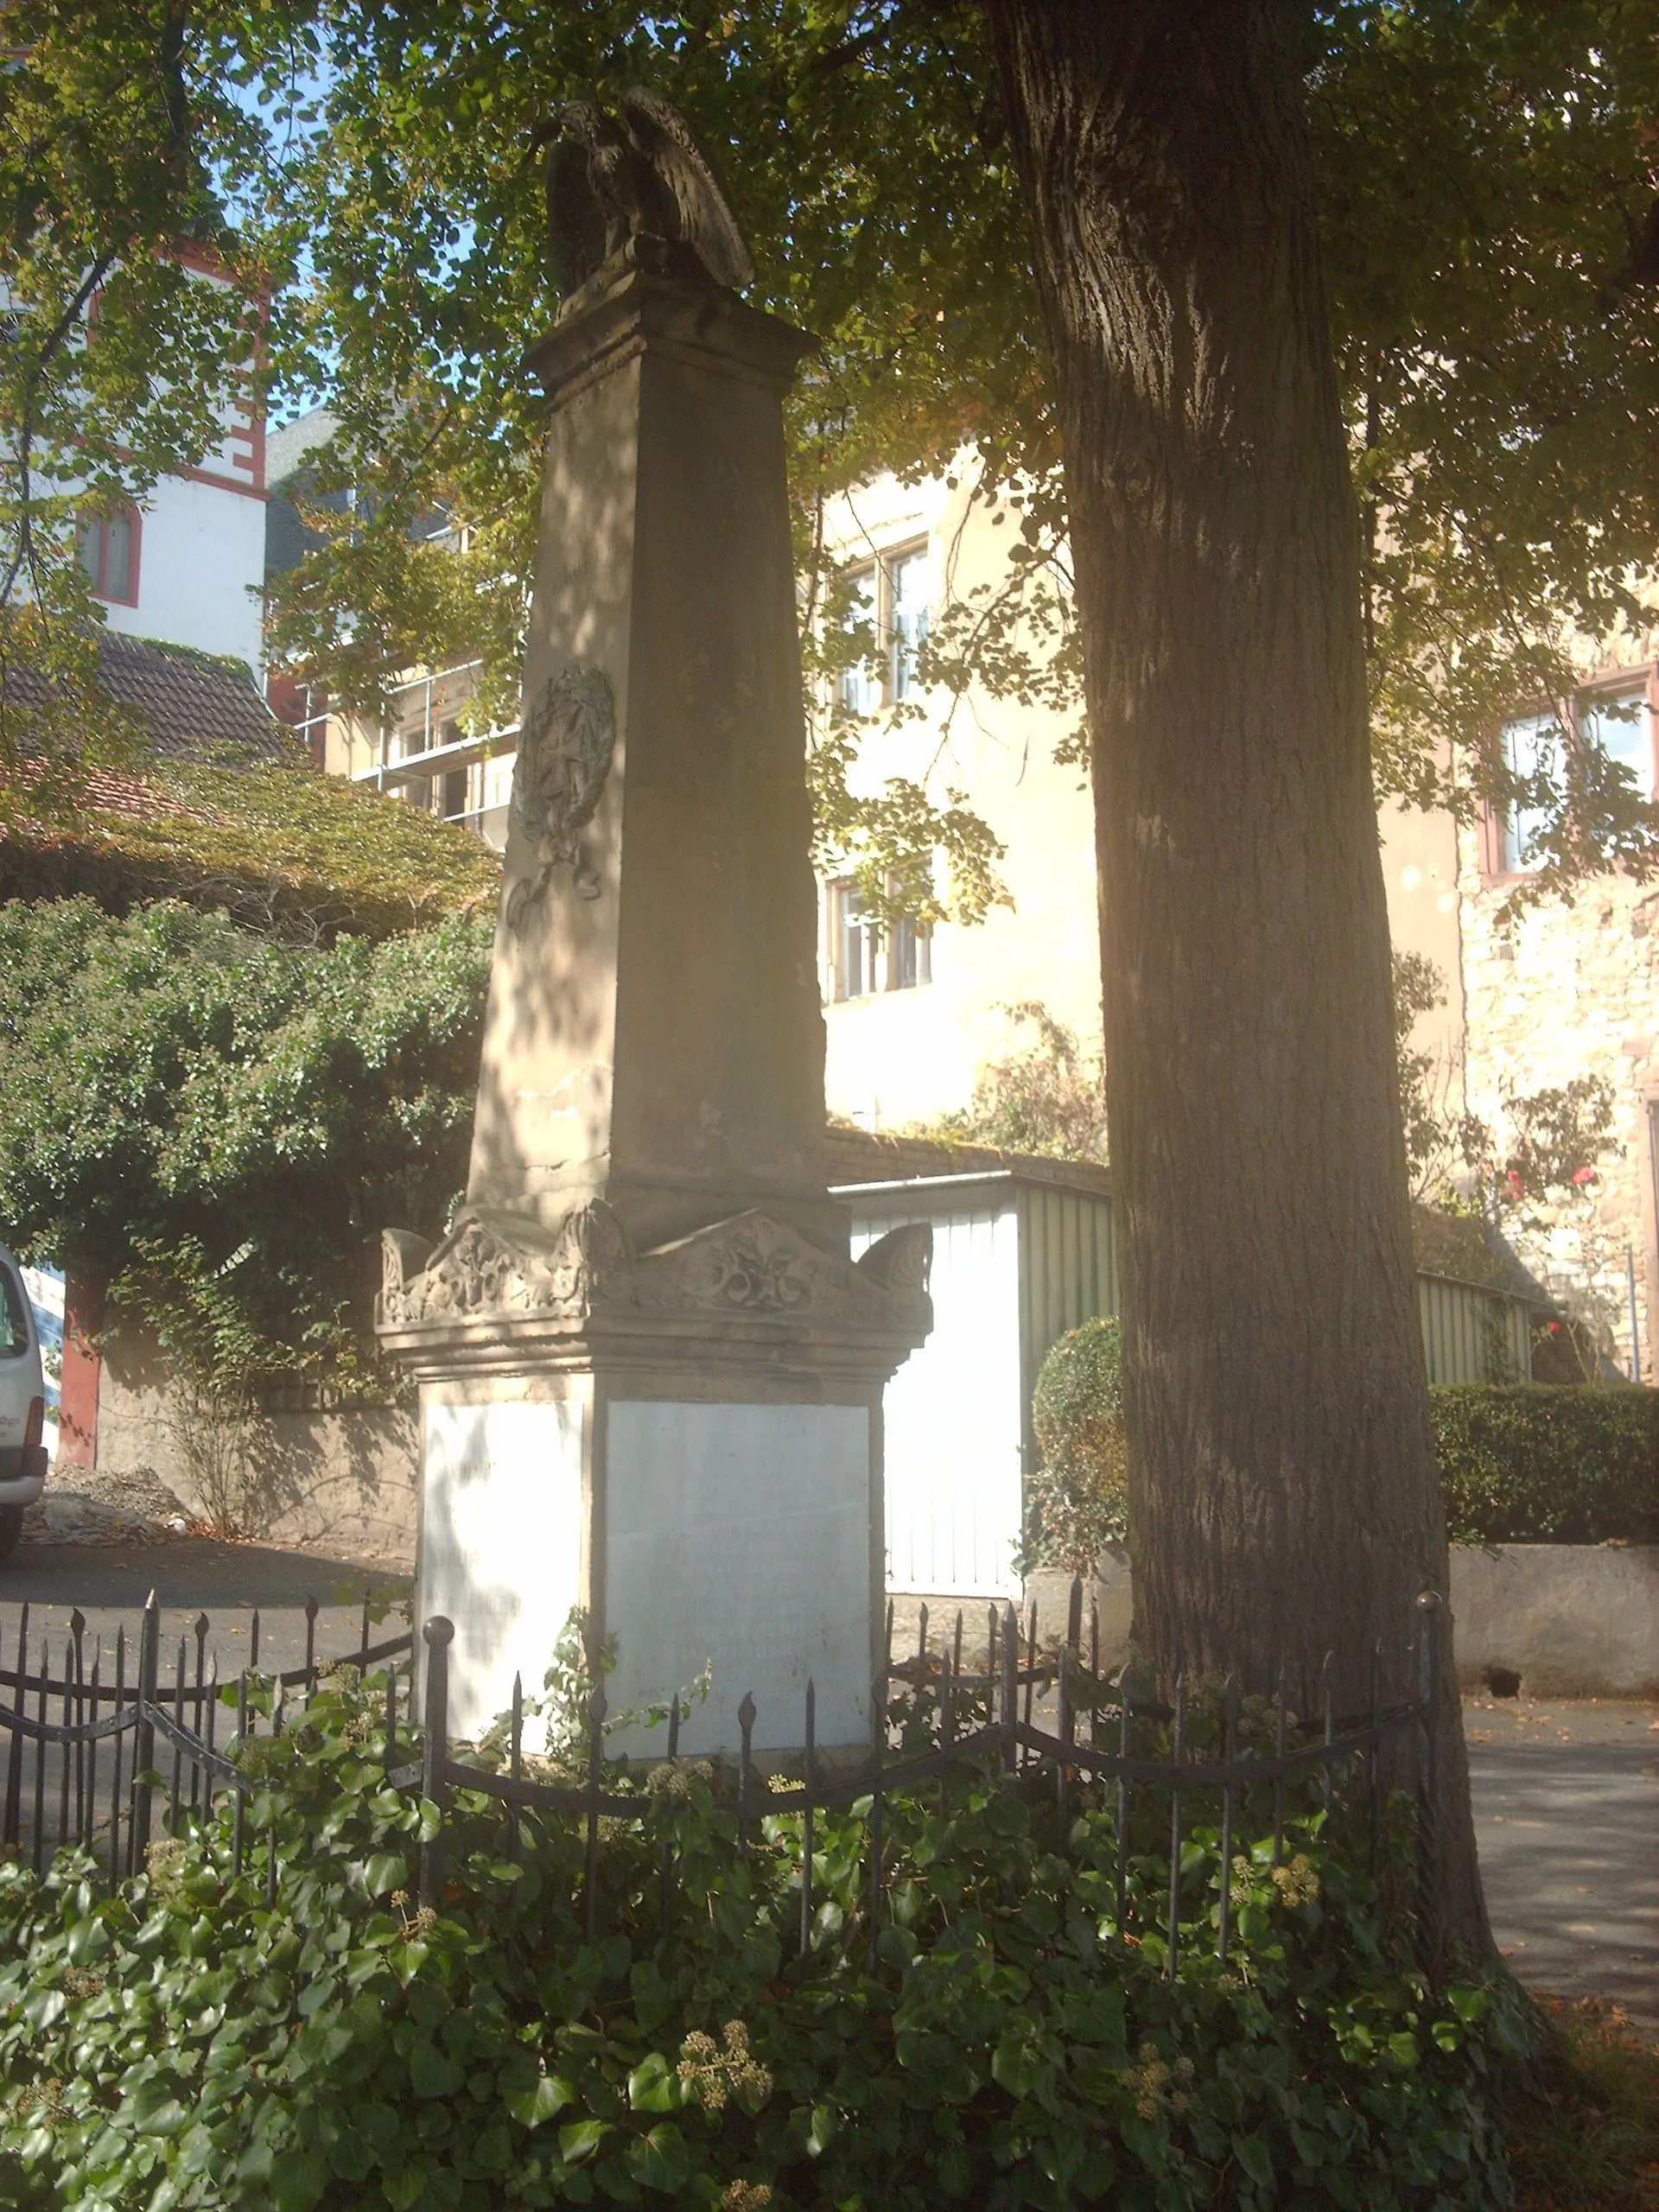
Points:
(1516, 1181)
(1583, 1175)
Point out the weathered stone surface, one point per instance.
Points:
(654, 1035)
(1571, 1620)
(501, 1281)
(651, 1374)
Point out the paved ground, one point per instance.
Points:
(1567, 1814)
(193, 1575)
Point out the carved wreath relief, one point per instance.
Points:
(564, 758)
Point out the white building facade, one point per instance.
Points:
(186, 565)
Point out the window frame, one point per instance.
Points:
(882, 949)
(878, 677)
(912, 551)
(130, 515)
(1643, 680)
(864, 677)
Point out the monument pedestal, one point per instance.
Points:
(651, 1376)
(686, 1444)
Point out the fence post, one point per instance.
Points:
(1010, 1658)
(438, 1635)
(810, 1773)
(12, 1824)
(596, 1710)
(1428, 1699)
(879, 1705)
(143, 1740)
(1178, 1753)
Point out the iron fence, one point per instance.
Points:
(1003, 1730)
(121, 1715)
(1022, 1712)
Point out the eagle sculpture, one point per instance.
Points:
(645, 175)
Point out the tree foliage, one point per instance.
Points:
(1488, 181)
(121, 134)
(1488, 187)
(217, 1125)
(1046, 1098)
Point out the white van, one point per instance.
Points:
(23, 1406)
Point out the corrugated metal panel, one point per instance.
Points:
(1472, 1335)
(1068, 1274)
(953, 1412)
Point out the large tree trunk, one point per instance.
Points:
(1283, 1497)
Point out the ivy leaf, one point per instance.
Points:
(549, 2094)
(661, 2159)
(385, 1872)
(156, 2108)
(432, 2075)
(404, 2190)
(580, 2140)
(297, 2182)
(654, 2086)
(45, 2008)
(1256, 2159)
(89, 1939)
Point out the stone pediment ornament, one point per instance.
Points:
(752, 1264)
(496, 1265)
(558, 775)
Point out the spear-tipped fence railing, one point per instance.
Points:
(1002, 1730)
(114, 1705)
(990, 1718)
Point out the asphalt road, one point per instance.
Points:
(228, 1582)
(1567, 1816)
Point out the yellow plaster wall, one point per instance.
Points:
(901, 1057)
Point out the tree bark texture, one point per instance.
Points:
(1283, 1497)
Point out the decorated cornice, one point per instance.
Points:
(500, 1273)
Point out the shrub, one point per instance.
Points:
(219, 1125)
(1523, 1464)
(1076, 1502)
(181, 2045)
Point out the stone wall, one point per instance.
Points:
(1552, 992)
(343, 1482)
(1571, 1620)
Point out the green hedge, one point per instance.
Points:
(1531, 1464)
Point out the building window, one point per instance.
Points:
(1620, 722)
(108, 545)
(890, 598)
(910, 954)
(857, 689)
(1532, 746)
(869, 956)
(906, 620)
(1616, 722)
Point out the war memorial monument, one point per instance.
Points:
(649, 1374)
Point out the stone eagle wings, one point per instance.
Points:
(610, 180)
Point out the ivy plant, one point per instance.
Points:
(182, 2044)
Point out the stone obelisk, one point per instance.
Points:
(650, 1377)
